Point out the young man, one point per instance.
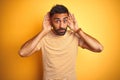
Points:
(59, 46)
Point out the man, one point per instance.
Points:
(59, 46)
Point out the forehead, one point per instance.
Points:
(60, 16)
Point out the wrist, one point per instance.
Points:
(45, 31)
(78, 30)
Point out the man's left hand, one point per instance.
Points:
(72, 23)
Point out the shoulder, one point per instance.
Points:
(72, 34)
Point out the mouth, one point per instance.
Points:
(61, 30)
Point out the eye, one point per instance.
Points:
(57, 21)
(64, 21)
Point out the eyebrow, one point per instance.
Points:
(65, 17)
(59, 18)
(56, 18)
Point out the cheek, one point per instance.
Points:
(56, 26)
(65, 25)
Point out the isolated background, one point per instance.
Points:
(20, 20)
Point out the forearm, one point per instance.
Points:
(92, 43)
(30, 45)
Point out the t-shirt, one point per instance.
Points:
(59, 56)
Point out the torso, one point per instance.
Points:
(59, 56)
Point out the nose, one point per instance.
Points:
(61, 24)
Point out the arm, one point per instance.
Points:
(30, 46)
(88, 42)
(85, 41)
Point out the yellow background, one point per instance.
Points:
(21, 19)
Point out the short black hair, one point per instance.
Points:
(58, 9)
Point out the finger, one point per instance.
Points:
(73, 18)
(47, 18)
(70, 14)
(70, 21)
(48, 14)
(75, 21)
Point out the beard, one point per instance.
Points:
(60, 31)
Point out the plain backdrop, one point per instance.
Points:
(20, 20)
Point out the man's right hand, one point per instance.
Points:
(46, 23)
(30, 46)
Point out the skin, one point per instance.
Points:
(58, 23)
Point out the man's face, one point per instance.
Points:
(59, 21)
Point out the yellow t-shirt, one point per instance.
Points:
(59, 56)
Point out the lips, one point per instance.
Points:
(61, 30)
